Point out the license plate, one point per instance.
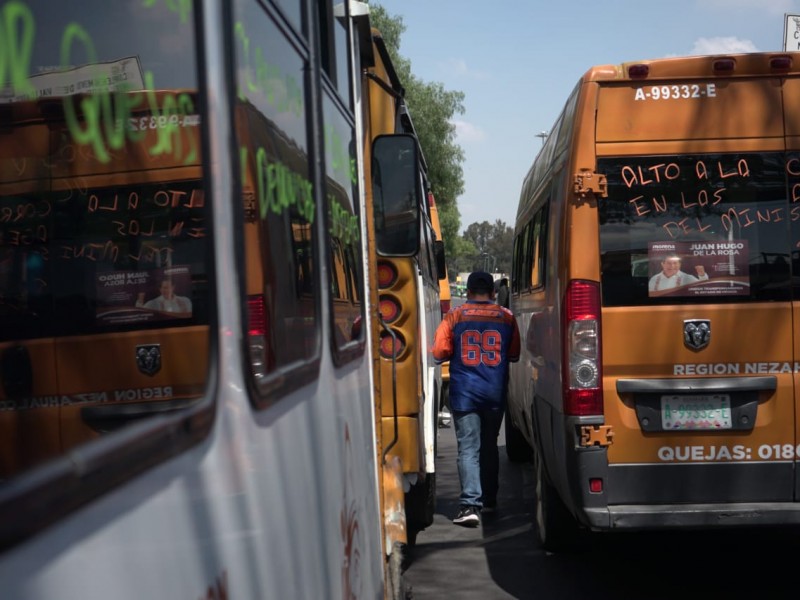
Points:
(706, 412)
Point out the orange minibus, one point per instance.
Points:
(655, 283)
(409, 267)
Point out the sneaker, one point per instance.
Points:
(468, 516)
(444, 417)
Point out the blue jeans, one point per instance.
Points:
(478, 457)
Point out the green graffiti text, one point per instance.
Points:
(339, 158)
(169, 136)
(17, 31)
(280, 188)
(105, 117)
(344, 224)
(281, 91)
(183, 8)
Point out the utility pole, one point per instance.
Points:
(543, 135)
(486, 256)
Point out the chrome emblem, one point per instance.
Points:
(148, 358)
(696, 333)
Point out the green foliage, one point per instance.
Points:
(462, 258)
(432, 108)
(391, 28)
(483, 245)
(494, 244)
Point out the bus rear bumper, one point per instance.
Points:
(672, 516)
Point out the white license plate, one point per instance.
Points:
(706, 412)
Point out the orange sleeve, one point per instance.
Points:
(443, 339)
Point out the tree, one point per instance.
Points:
(432, 108)
(463, 258)
(493, 244)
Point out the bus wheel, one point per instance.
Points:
(396, 583)
(556, 529)
(420, 506)
(517, 448)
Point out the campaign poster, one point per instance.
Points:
(698, 268)
(137, 296)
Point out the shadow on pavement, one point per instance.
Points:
(501, 559)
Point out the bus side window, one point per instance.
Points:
(104, 269)
(333, 25)
(538, 246)
(280, 242)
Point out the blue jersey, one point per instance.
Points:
(479, 338)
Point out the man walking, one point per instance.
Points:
(479, 338)
(502, 293)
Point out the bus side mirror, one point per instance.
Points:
(397, 193)
(438, 253)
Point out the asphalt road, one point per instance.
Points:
(485, 562)
(501, 560)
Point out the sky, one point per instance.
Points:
(517, 61)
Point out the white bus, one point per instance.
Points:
(188, 399)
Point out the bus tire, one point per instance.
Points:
(556, 529)
(420, 507)
(396, 583)
(517, 448)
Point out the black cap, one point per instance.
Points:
(480, 282)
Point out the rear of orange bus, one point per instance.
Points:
(657, 242)
(408, 383)
(102, 245)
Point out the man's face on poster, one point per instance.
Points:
(671, 265)
(166, 289)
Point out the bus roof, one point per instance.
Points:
(688, 67)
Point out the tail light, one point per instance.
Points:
(583, 394)
(445, 304)
(256, 334)
(392, 346)
(392, 343)
(387, 274)
(389, 309)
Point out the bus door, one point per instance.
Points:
(697, 319)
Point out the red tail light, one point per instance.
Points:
(389, 309)
(257, 323)
(387, 274)
(256, 315)
(583, 393)
(445, 306)
(392, 346)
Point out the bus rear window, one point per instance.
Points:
(698, 228)
(104, 227)
(102, 208)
